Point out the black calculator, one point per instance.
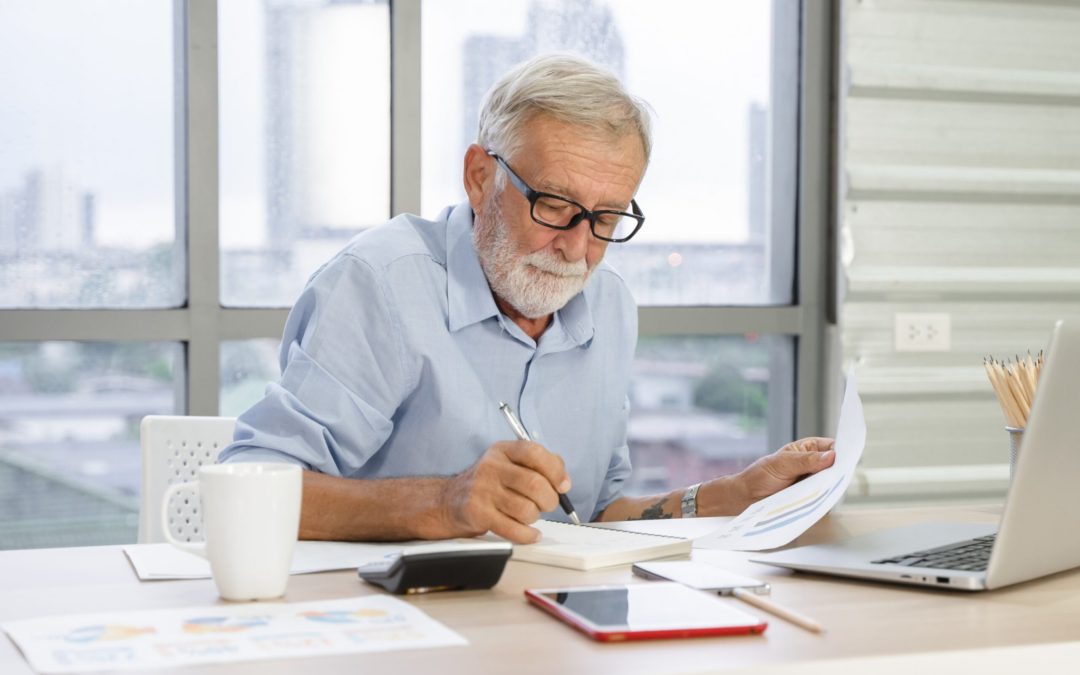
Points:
(427, 569)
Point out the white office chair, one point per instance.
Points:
(173, 449)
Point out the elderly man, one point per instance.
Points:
(398, 352)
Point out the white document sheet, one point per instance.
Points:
(779, 518)
(224, 633)
(154, 562)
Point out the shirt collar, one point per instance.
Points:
(469, 297)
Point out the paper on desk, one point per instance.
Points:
(779, 518)
(224, 633)
(155, 562)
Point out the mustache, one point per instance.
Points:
(551, 264)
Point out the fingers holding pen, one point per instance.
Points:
(540, 460)
(504, 491)
(544, 462)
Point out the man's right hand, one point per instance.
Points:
(505, 491)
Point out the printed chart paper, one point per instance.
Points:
(779, 518)
(225, 634)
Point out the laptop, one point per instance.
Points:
(1036, 535)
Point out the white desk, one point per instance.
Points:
(507, 635)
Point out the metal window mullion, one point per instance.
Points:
(249, 324)
(814, 211)
(200, 125)
(93, 325)
(180, 253)
(782, 192)
(660, 321)
(405, 101)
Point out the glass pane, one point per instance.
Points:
(247, 366)
(701, 407)
(305, 138)
(708, 238)
(87, 192)
(69, 437)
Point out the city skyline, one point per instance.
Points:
(128, 214)
(292, 145)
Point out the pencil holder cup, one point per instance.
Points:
(1016, 435)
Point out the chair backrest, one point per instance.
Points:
(173, 449)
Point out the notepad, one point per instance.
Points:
(583, 547)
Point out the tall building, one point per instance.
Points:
(46, 213)
(485, 59)
(11, 219)
(320, 115)
(584, 27)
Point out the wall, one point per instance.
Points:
(960, 194)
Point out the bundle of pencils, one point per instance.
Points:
(1014, 383)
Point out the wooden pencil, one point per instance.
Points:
(1015, 384)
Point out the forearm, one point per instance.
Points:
(724, 496)
(392, 509)
(654, 507)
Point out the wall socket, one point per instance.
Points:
(922, 332)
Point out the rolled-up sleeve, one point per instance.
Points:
(343, 376)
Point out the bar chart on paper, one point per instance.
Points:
(779, 518)
(804, 508)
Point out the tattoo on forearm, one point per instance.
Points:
(654, 512)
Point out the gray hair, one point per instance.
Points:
(567, 88)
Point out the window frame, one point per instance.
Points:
(202, 324)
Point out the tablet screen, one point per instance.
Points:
(646, 607)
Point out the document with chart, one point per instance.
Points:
(225, 633)
(779, 518)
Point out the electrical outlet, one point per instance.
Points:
(922, 332)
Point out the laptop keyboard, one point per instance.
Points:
(972, 555)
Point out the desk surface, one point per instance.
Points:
(505, 633)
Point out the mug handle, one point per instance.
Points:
(197, 549)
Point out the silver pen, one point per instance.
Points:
(523, 435)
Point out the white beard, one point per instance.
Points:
(536, 284)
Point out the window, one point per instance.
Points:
(705, 406)
(720, 208)
(247, 366)
(708, 238)
(304, 139)
(160, 283)
(69, 437)
(700, 406)
(87, 180)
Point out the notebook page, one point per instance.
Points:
(583, 547)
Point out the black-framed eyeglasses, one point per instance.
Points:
(560, 213)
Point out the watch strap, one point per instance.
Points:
(689, 501)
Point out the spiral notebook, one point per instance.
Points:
(584, 547)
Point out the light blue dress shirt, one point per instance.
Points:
(395, 358)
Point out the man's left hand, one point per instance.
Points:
(729, 495)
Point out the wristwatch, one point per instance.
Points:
(689, 501)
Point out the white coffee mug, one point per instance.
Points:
(251, 520)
